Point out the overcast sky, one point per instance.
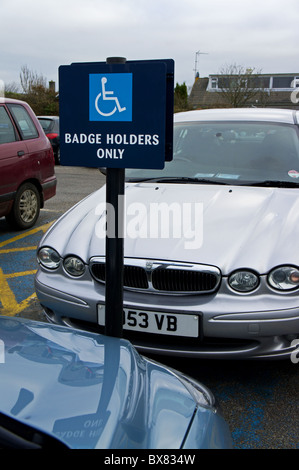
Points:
(263, 34)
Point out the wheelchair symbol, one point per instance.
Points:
(107, 96)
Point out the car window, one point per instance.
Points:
(7, 132)
(231, 152)
(24, 122)
(46, 124)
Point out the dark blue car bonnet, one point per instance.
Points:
(88, 390)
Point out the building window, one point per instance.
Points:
(258, 82)
(282, 82)
(261, 82)
(214, 83)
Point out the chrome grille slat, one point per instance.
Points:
(135, 277)
(161, 277)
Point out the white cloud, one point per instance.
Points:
(44, 35)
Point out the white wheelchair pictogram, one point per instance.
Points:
(107, 96)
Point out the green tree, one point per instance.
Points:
(43, 100)
(180, 98)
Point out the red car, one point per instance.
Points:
(27, 177)
(50, 124)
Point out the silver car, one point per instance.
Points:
(211, 267)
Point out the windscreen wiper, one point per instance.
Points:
(274, 183)
(176, 179)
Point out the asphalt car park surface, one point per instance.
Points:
(259, 400)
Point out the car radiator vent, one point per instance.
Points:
(134, 276)
(162, 277)
(182, 280)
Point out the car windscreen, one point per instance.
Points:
(230, 152)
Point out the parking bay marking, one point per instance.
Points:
(8, 300)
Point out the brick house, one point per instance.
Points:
(273, 90)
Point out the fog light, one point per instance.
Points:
(243, 281)
(74, 266)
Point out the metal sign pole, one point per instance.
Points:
(111, 137)
(115, 189)
(114, 252)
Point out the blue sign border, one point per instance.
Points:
(145, 141)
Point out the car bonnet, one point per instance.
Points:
(88, 390)
(235, 226)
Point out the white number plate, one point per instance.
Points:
(163, 323)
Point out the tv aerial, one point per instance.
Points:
(197, 54)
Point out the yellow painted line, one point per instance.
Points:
(42, 228)
(10, 306)
(14, 250)
(24, 273)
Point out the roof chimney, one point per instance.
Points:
(52, 85)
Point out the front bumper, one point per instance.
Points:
(232, 326)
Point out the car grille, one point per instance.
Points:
(162, 277)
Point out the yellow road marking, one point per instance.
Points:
(24, 273)
(42, 228)
(9, 303)
(13, 250)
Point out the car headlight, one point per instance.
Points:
(243, 281)
(284, 278)
(74, 266)
(48, 257)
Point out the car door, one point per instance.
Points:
(13, 151)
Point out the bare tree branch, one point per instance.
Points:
(30, 80)
(11, 87)
(240, 86)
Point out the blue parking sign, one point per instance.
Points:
(110, 97)
(116, 115)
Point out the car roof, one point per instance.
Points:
(12, 101)
(48, 117)
(287, 116)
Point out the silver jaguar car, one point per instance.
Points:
(211, 243)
